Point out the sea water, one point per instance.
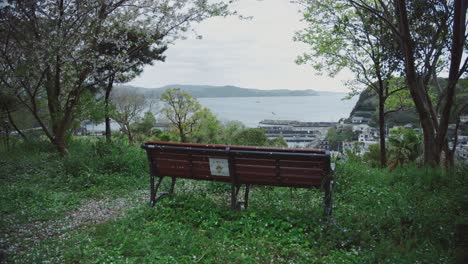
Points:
(251, 110)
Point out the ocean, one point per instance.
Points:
(252, 110)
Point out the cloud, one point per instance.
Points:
(257, 53)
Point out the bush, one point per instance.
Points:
(251, 137)
(404, 145)
(372, 157)
(102, 157)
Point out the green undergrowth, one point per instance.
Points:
(406, 216)
(39, 184)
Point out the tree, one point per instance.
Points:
(230, 131)
(130, 43)
(146, 124)
(208, 128)
(141, 45)
(431, 38)
(278, 142)
(404, 146)
(58, 39)
(257, 137)
(336, 136)
(461, 108)
(88, 110)
(341, 36)
(182, 110)
(251, 137)
(129, 105)
(50, 49)
(372, 156)
(8, 104)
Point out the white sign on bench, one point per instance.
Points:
(219, 167)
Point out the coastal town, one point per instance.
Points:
(362, 134)
(316, 134)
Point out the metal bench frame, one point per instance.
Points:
(231, 153)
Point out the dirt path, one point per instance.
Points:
(91, 212)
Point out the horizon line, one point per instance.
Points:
(227, 85)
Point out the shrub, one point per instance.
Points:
(404, 145)
(372, 157)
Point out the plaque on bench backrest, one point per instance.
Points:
(219, 167)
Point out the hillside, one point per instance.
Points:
(102, 214)
(202, 91)
(367, 105)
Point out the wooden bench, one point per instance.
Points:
(239, 165)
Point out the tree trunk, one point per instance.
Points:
(451, 152)
(416, 87)
(434, 133)
(182, 135)
(458, 39)
(12, 122)
(33, 110)
(7, 136)
(129, 134)
(431, 156)
(107, 110)
(59, 141)
(108, 128)
(383, 153)
(183, 138)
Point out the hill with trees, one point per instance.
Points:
(202, 91)
(367, 105)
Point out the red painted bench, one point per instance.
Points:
(239, 165)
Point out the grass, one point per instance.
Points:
(407, 216)
(41, 185)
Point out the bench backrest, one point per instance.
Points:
(239, 164)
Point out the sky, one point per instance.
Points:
(257, 53)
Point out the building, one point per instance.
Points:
(363, 137)
(359, 120)
(464, 118)
(357, 147)
(297, 134)
(163, 126)
(362, 128)
(324, 145)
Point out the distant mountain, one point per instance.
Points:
(201, 91)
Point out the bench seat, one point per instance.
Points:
(240, 165)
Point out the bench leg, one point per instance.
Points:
(171, 191)
(154, 190)
(235, 204)
(234, 190)
(328, 200)
(237, 189)
(246, 196)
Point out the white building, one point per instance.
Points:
(363, 137)
(357, 147)
(464, 118)
(357, 119)
(363, 128)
